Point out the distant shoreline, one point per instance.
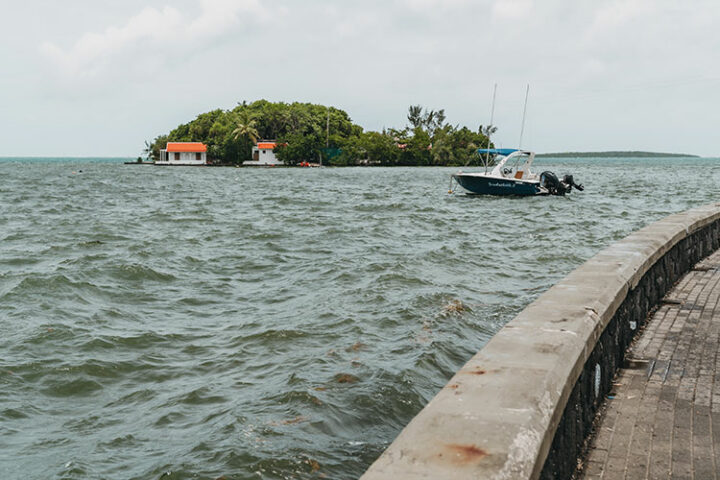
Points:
(133, 161)
(616, 154)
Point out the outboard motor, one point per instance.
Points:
(554, 186)
(551, 182)
(568, 179)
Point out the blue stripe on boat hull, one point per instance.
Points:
(494, 186)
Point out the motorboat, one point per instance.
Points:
(511, 175)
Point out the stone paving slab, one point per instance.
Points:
(662, 418)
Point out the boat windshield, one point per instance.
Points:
(519, 160)
(514, 165)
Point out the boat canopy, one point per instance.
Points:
(498, 151)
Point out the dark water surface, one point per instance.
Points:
(186, 323)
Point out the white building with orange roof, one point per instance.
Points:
(263, 155)
(183, 153)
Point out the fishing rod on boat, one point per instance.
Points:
(522, 127)
(489, 129)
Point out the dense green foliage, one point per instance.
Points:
(309, 133)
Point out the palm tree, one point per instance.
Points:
(245, 127)
(440, 118)
(434, 120)
(148, 150)
(488, 130)
(415, 115)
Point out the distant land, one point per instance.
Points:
(615, 155)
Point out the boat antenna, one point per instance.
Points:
(489, 129)
(522, 128)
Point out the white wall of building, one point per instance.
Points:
(263, 157)
(182, 158)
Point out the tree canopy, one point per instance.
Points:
(307, 132)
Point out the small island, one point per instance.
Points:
(303, 133)
(616, 154)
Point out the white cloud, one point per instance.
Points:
(152, 28)
(512, 9)
(615, 14)
(218, 16)
(426, 5)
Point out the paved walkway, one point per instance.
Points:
(662, 420)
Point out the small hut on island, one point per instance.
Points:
(263, 155)
(183, 153)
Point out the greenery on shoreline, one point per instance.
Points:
(616, 154)
(304, 134)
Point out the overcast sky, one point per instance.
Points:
(90, 78)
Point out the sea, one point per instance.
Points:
(235, 323)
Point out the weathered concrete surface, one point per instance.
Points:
(497, 417)
(662, 418)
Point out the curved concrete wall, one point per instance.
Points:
(522, 406)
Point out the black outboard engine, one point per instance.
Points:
(554, 186)
(568, 179)
(551, 182)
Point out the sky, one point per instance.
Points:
(89, 78)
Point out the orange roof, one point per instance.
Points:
(266, 145)
(192, 147)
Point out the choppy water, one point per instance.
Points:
(183, 323)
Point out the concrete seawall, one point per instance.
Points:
(523, 405)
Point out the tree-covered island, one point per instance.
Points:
(307, 133)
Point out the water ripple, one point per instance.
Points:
(199, 323)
